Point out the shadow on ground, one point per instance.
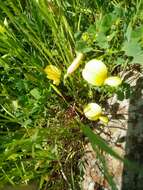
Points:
(132, 179)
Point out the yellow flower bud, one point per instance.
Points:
(104, 119)
(95, 72)
(5, 22)
(93, 111)
(75, 64)
(85, 36)
(2, 29)
(113, 81)
(53, 73)
(15, 104)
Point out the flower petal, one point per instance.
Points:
(95, 72)
(92, 111)
(104, 119)
(113, 81)
(90, 77)
(75, 64)
(53, 73)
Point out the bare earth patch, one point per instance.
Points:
(124, 134)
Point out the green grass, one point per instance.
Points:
(39, 136)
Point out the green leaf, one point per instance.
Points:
(131, 48)
(120, 95)
(138, 58)
(119, 61)
(128, 32)
(35, 93)
(137, 33)
(82, 47)
(92, 29)
(102, 41)
(106, 22)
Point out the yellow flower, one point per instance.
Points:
(85, 36)
(95, 72)
(104, 119)
(2, 29)
(53, 73)
(113, 81)
(93, 111)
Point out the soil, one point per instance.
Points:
(124, 134)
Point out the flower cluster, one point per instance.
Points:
(95, 73)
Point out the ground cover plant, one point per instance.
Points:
(49, 97)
